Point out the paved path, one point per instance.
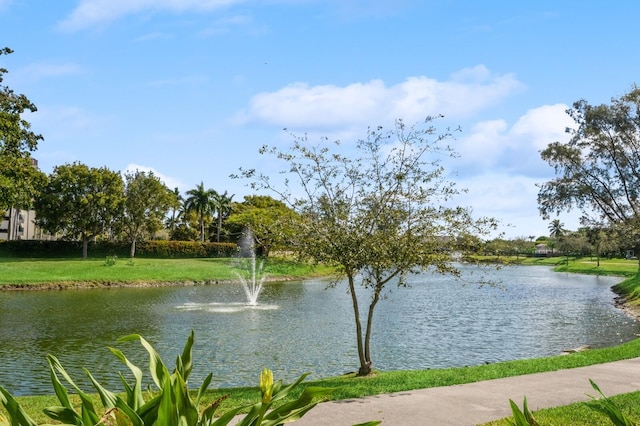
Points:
(479, 402)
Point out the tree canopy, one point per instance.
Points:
(201, 201)
(80, 201)
(377, 214)
(146, 203)
(19, 178)
(270, 220)
(598, 169)
(222, 206)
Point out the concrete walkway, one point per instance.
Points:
(479, 402)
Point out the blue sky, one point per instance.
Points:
(192, 88)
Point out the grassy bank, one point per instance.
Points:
(582, 265)
(349, 386)
(629, 288)
(59, 273)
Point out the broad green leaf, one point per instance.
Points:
(88, 412)
(252, 415)
(608, 408)
(184, 365)
(157, 368)
(183, 405)
(295, 409)
(60, 390)
(134, 396)
(111, 400)
(131, 399)
(203, 388)
(279, 393)
(519, 418)
(167, 415)
(17, 415)
(122, 419)
(63, 415)
(224, 419)
(149, 411)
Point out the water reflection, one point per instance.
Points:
(304, 327)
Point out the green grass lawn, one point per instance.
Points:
(96, 271)
(582, 265)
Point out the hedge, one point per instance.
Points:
(150, 249)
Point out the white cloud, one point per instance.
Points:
(493, 144)
(483, 145)
(544, 125)
(91, 12)
(512, 199)
(167, 180)
(300, 105)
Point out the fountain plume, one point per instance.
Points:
(253, 280)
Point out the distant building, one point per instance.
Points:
(18, 224)
(543, 250)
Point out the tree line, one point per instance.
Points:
(583, 242)
(85, 203)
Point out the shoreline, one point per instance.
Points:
(631, 310)
(91, 285)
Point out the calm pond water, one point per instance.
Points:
(303, 327)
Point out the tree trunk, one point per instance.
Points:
(201, 229)
(85, 246)
(367, 338)
(132, 250)
(365, 368)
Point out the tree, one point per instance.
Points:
(146, 202)
(377, 215)
(20, 181)
(556, 229)
(222, 203)
(176, 203)
(271, 222)
(200, 200)
(598, 169)
(81, 202)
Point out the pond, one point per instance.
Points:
(302, 327)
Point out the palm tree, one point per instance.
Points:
(222, 204)
(176, 203)
(200, 201)
(556, 229)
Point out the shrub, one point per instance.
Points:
(170, 405)
(151, 249)
(111, 260)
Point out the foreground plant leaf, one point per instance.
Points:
(607, 407)
(17, 415)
